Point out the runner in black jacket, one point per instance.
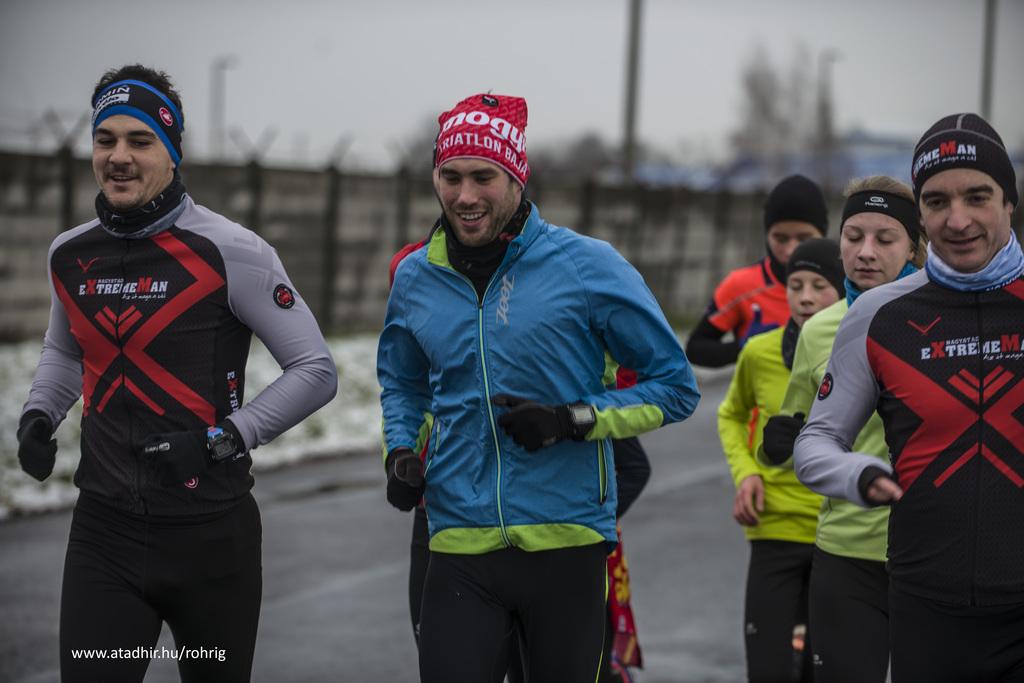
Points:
(153, 308)
(939, 355)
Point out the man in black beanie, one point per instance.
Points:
(938, 354)
(752, 299)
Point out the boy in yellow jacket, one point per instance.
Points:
(778, 513)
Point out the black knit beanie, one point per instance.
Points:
(796, 198)
(821, 256)
(963, 141)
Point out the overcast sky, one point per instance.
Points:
(310, 74)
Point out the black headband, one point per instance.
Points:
(147, 104)
(879, 201)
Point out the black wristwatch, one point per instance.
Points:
(221, 444)
(583, 419)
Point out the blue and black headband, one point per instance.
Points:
(145, 103)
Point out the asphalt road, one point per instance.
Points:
(336, 564)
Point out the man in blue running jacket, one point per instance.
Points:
(496, 345)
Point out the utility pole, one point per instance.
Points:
(632, 66)
(988, 51)
(825, 125)
(217, 99)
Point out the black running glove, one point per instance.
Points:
(36, 450)
(780, 432)
(405, 479)
(534, 425)
(176, 457)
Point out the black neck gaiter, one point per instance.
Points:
(789, 338)
(479, 263)
(778, 270)
(154, 217)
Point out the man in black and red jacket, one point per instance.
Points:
(939, 355)
(153, 306)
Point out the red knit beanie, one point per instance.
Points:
(488, 127)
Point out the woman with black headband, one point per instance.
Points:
(880, 242)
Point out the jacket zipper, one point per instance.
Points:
(976, 512)
(494, 429)
(487, 386)
(139, 462)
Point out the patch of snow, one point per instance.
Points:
(350, 423)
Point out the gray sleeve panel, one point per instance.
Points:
(309, 378)
(57, 383)
(822, 457)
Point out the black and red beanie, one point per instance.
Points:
(963, 141)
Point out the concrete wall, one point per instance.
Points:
(336, 233)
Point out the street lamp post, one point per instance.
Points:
(632, 67)
(988, 56)
(217, 101)
(825, 124)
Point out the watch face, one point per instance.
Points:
(223, 448)
(582, 414)
(221, 444)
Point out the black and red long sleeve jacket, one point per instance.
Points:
(154, 335)
(946, 372)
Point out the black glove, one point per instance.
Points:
(405, 479)
(780, 432)
(176, 457)
(534, 425)
(36, 450)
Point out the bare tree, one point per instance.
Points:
(802, 99)
(587, 155)
(416, 150)
(778, 118)
(583, 155)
